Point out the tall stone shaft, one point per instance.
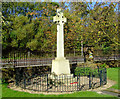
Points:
(60, 20)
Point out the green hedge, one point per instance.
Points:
(84, 71)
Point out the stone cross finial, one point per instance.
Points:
(59, 10)
(59, 18)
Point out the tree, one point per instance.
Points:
(103, 25)
(26, 24)
(31, 26)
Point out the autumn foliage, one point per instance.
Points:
(30, 26)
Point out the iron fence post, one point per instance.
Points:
(24, 81)
(47, 82)
(79, 80)
(101, 78)
(105, 76)
(90, 80)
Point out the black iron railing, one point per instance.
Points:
(23, 59)
(60, 83)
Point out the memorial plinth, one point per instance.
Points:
(60, 65)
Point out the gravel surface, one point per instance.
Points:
(109, 84)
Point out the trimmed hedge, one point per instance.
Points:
(85, 71)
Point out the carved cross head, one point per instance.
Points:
(59, 18)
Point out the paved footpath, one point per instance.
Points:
(104, 90)
(110, 93)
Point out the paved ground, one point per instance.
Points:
(110, 93)
(104, 90)
(104, 87)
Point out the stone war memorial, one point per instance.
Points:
(58, 77)
(60, 65)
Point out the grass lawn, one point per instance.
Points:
(112, 74)
(6, 92)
